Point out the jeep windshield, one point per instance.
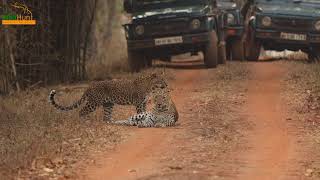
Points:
(144, 5)
(288, 1)
(306, 3)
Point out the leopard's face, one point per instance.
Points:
(161, 102)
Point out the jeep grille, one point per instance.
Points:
(297, 24)
(167, 27)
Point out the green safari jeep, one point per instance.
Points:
(284, 24)
(233, 27)
(163, 28)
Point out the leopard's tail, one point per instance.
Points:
(65, 108)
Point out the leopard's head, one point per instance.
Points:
(161, 100)
(158, 83)
(151, 82)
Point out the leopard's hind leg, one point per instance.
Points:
(107, 108)
(87, 109)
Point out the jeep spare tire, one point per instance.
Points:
(136, 60)
(211, 51)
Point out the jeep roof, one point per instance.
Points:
(147, 5)
(289, 1)
(290, 7)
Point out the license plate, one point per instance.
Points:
(168, 40)
(291, 36)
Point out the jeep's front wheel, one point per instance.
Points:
(228, 50)
(238, 50)
(253, 49)
(211, 51)
(135, 60)
(314, 55)
(148, 61)
(222, 53)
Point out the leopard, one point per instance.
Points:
(115, 92)
(163, 114)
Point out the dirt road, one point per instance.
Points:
(258, 143)
(269, 142)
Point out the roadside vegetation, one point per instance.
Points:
(34, 136)
(303, 95)
(38, 141)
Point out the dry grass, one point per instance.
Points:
(33, 134)
(303, 96)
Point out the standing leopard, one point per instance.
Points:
(110, 92)
(163, 114)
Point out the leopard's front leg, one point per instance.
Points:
(107, 108)
(148, 121)
(141, 107)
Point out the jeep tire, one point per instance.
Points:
(222, 53)
(211, 51)
(252, 47)
(253, 50)
(228, 50)
(147, 62)
(238, 50)
(136, 60)
(314, 55)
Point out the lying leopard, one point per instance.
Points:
(110, 92)
(163, 114)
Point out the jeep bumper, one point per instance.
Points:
(274, 35)
(187, 39)
(234, 31)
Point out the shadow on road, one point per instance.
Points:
(180, 66)
(196, 63)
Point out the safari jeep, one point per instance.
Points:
(233, 28)
(163, 28)
(284, 24)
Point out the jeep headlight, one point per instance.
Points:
(231, 19)
(266, 21)
(317, 25)
(195, 24)
(140, 29)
